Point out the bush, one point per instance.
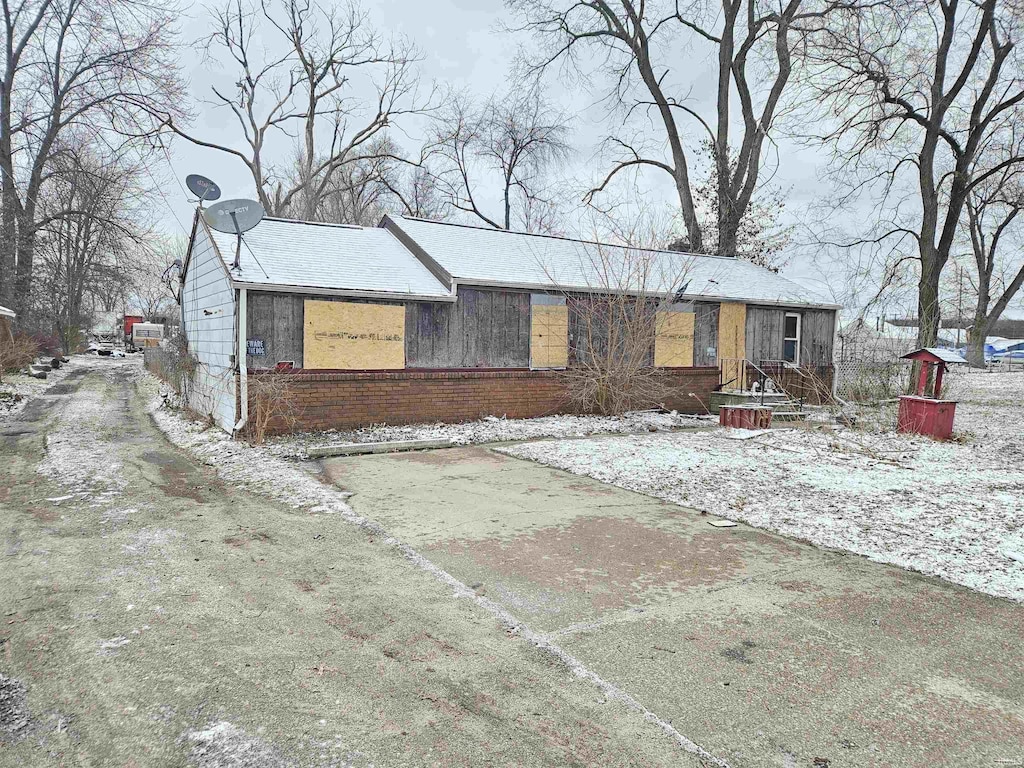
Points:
(16, 351)
(271, 403)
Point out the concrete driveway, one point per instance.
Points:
(764, 650)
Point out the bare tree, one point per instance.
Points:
(319, 74)
(83, 252)
(505, 148)
(918, 97)
(615, 325)
(94, 66)
(994, 215)
(754, 44)
(152, 289)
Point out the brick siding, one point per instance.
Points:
(354, 399)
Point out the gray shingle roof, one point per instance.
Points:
(334, 257)
(484, 256)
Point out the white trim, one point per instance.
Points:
(797, 338)
(349, 292)
(242, 360)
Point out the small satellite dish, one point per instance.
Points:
(234, 216)
(202, 187)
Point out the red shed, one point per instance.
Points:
(920, 413)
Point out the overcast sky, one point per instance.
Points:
(463, 46)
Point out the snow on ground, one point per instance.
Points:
(17, 389)
(953, 510)
(490, 430)
(81, 446)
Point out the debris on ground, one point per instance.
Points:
(14, 714)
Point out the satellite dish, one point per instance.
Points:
(234, 216)
(202, 187)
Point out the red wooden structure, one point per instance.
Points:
(919, 413)
(745, 417)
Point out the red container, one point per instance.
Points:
(129, 321)
(924, 416)
(744, 417)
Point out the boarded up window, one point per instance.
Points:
(549, 332)
(673, 344)
(343, 335)
(732, 322)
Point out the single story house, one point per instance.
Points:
(418, 320)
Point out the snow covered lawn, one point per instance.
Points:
(954, 510)
(491, 430)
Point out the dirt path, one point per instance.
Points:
(150, 615)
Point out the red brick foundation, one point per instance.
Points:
(354, 399)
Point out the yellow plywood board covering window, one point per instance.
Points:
(549, 336)
(732, 331)
(673, 345)
(344, 335)
(732, 343)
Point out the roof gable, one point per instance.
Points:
(294, 255)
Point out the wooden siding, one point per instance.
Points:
(483, 329)
(705, 333)
(208, 318)
(766, 328)
(764, 333)
(817, 335)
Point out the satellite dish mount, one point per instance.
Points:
(202, 187)
(234, 217)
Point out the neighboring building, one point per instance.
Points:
(6, 320)
(418, 320)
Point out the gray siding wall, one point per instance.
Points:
(208, 319)
(817, 336)
(483, 329)
(765, 329)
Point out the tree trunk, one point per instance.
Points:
(26, 244)
(929, 313)
(976, 341)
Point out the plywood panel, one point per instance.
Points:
(549, 336)
(350, 336)
(673, 344)
(732, 322)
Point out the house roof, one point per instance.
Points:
(5, 312)
(290, 255)
(484, 256)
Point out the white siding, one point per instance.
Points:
(208, 316)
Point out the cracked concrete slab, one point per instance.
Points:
(765, 650)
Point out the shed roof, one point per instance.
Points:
(5, 312)
(486, 256)
(280, 253)
(939, 355)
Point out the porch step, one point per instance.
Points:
(779, 415)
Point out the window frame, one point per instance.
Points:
(795, 339)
